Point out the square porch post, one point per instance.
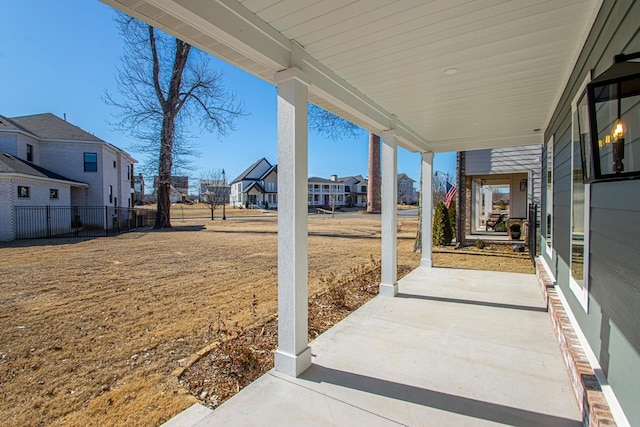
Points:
(389, 283)
(293, 355)
(427, 209)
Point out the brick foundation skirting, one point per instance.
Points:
(591, 400)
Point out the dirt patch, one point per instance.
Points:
(242, 356)
(92, 330)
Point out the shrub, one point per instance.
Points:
(480, 244)
(442, 234)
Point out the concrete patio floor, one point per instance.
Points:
(455, 348)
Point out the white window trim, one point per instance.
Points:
(581, 292)
(549, 243)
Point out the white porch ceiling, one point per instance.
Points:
(381, 63)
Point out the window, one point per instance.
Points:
(580, 202)
(110, 194)
(53, 193)
(90, 162)
(23, 192)
(115, 164)
(363, 189)
(549, 204)
(347, 189)
(128, 172)
(29, 153)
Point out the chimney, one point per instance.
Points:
(334, 178)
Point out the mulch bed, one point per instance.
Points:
(245, 354)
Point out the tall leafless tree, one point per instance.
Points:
(165, 86)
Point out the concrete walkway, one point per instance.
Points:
(455, 348)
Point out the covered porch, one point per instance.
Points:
(429, 77)
(455, 347)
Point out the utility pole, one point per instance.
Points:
(224, 195)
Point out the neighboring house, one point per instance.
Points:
(47, 161)
(24, 184)
(406, 192)
(138, 189)
(326, 192)
(178, 190)
(512, 173)
(55, 144)
(257, 186)
(217, 187)
(355, 190)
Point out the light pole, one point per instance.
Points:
(224, 195)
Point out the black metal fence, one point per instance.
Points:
(533, 233)
(47, 222)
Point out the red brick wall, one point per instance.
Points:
(594, 407)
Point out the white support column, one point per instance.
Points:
(488, 202)
(389, 284)
(293, 355)
(427, 209)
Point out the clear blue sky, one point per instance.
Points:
(59, 56)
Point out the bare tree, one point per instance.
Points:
(165, 85)
(440, 187)
(213, 190)
(328, 124)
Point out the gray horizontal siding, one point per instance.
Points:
(612, 324)
(503, 160)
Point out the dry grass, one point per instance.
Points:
(181, 211)
(91, 330)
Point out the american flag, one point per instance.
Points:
(451, 193)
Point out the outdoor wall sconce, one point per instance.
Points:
(523, 184)
(609, 122)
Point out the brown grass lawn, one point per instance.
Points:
(91, 330)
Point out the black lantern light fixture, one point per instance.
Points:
(609, 122)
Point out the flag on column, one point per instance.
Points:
(451, 193)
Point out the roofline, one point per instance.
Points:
(247, 171)
(71, 141)
(22, 132)
(44, 178)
